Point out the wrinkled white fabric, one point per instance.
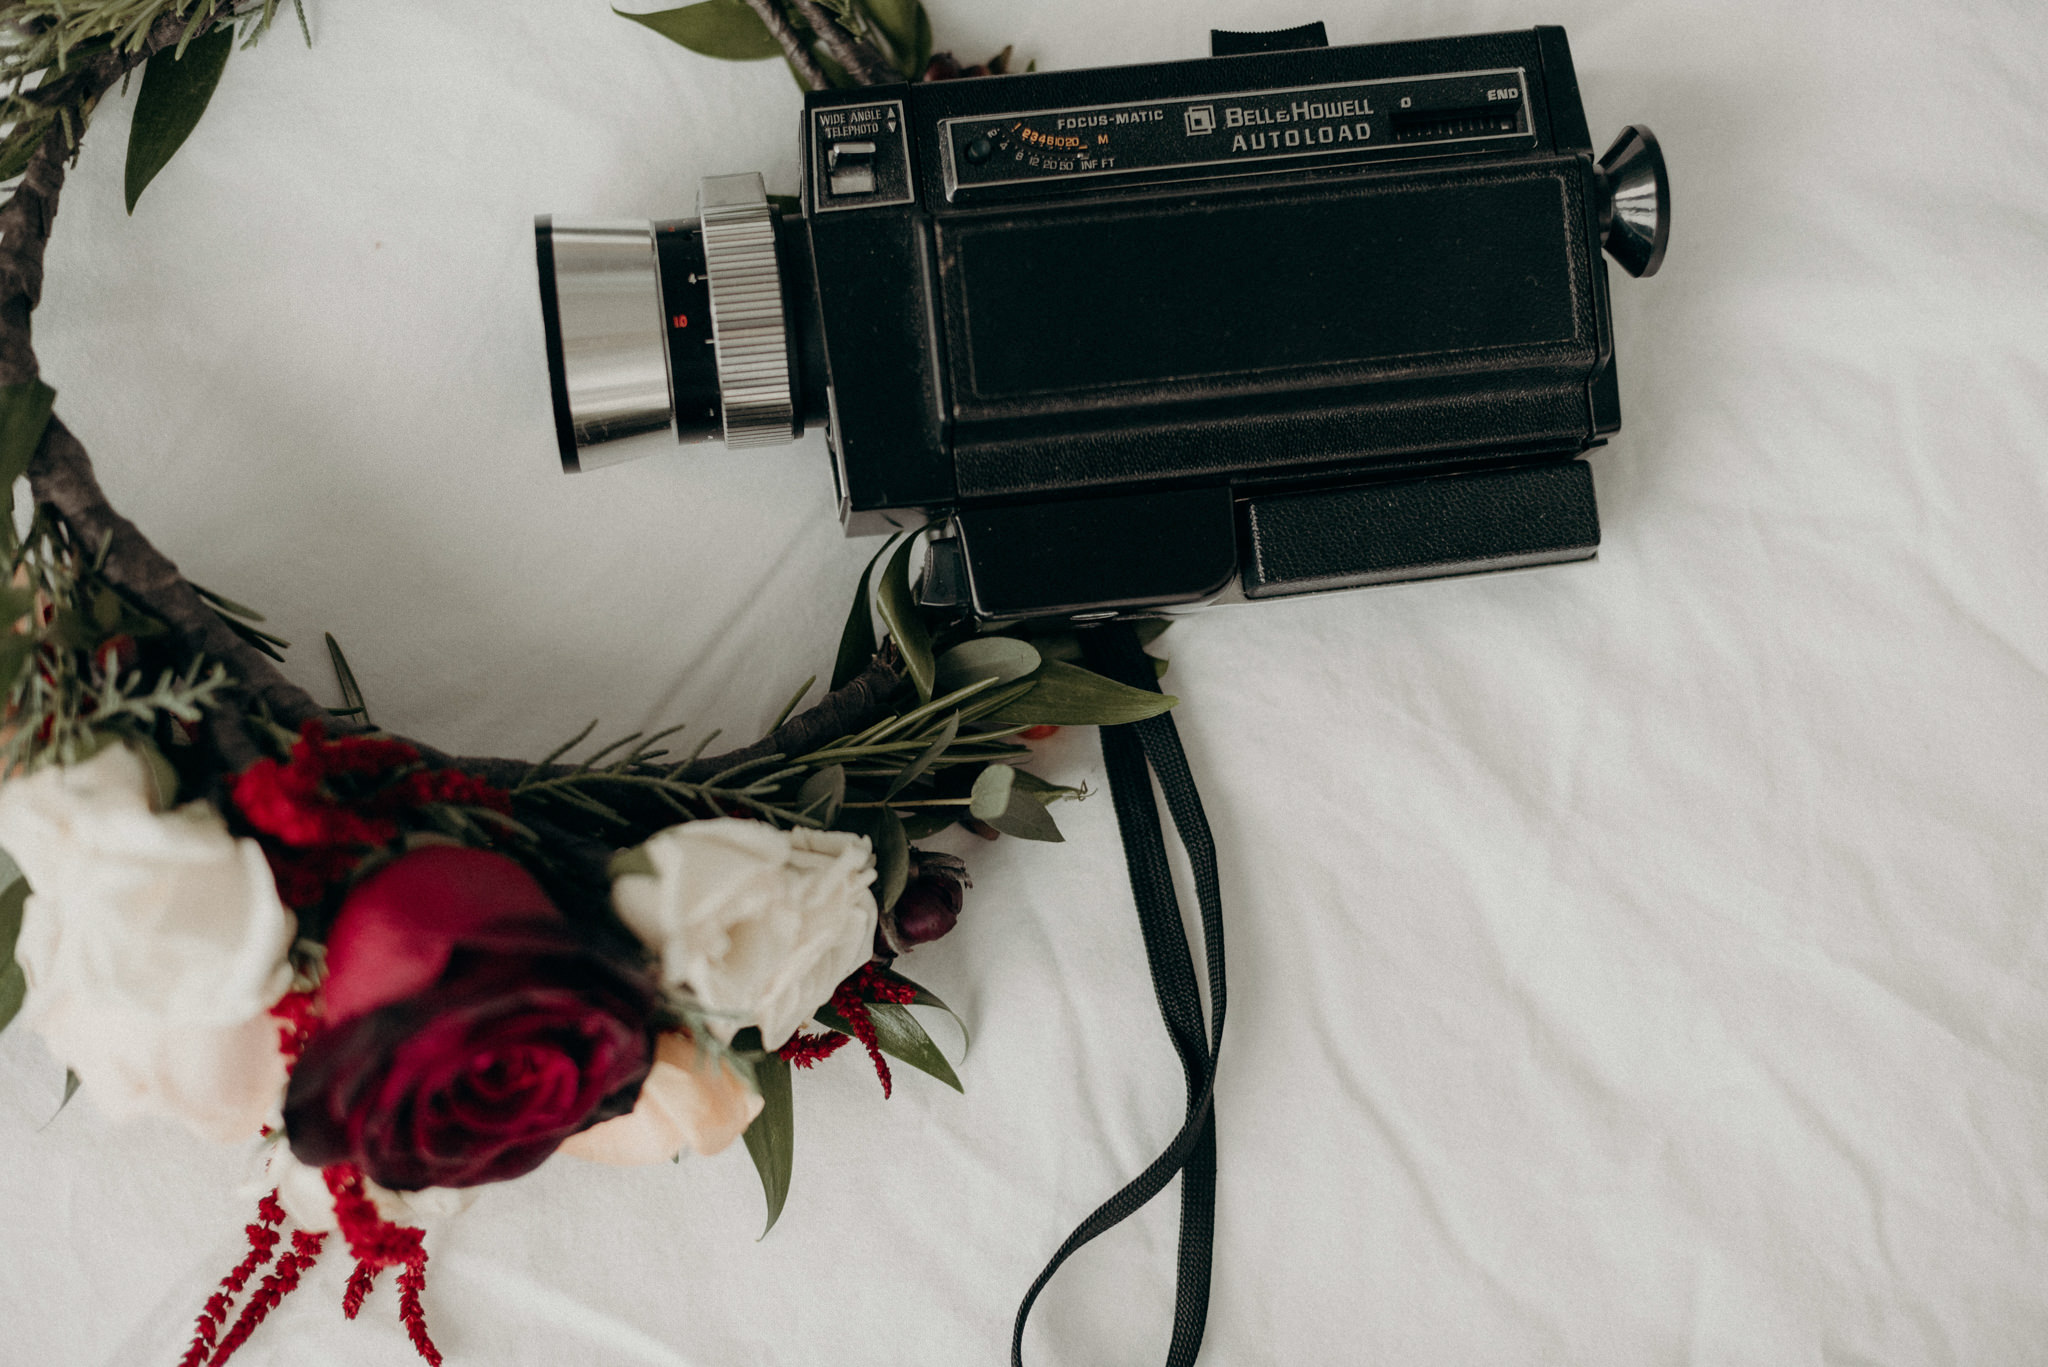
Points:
(1635, 962)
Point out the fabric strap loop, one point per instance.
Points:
(1135, 754)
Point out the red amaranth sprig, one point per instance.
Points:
(275, 1287)
(411, 1282)
(263, 1237)
(850, 1000)
(805, 1051)
(377, 1243)
(360, 1283)
(372, 1238)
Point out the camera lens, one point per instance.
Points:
(690, 324)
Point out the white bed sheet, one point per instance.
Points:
(1635, 962)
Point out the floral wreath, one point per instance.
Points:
(403, 974)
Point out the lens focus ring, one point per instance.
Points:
(746, 310)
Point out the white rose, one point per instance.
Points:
(154, 945)
(762, 924)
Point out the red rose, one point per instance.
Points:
(469, 1030)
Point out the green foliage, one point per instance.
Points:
(899, 612)
(857, 641)
(78, 696)
(725, 29)
(177, 85)
(1062, 694)
(13, 983)
(771, 1139)
(48, 61)
(899, 30)
(1012, 807)
(24, 414)
(898, 1035)
(1002, 658)
(352, 702)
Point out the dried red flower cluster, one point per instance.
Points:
(804, 1051)
(850, 999)
(263, 1237)
(333, 799)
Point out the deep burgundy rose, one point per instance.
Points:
(468, 1029)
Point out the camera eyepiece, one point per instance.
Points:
(689, 324)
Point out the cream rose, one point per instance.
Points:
(761, 924)
(687, 1100)
(153, 943)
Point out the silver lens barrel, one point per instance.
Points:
(668, 326)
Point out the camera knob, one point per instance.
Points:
(1635, 214)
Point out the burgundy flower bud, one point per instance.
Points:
(929, 906)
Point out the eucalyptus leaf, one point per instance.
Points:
(899, 614)
(771, 1139)
(70, 1090)
(915, 770)
(1068, 695)
(823, 794)
(1026, 818)
(991, 795)
(726, 29)
(1001, 658)
(13, 983)
(176, 89)
(898, 1035)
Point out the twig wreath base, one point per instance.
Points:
(406, 973)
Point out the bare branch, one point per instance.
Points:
(793, 46)
(862, 62)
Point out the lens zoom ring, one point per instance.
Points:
(747, 324)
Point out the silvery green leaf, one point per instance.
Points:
(1068, 695)
(176, 88)
(991, 795)
(1001, 658)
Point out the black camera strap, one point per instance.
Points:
(1135, 754)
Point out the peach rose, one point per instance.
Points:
(687, 1099)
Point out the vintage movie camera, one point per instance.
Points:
(1288, 319)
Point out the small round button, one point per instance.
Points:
(980, 150)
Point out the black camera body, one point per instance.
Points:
(1140, 338)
